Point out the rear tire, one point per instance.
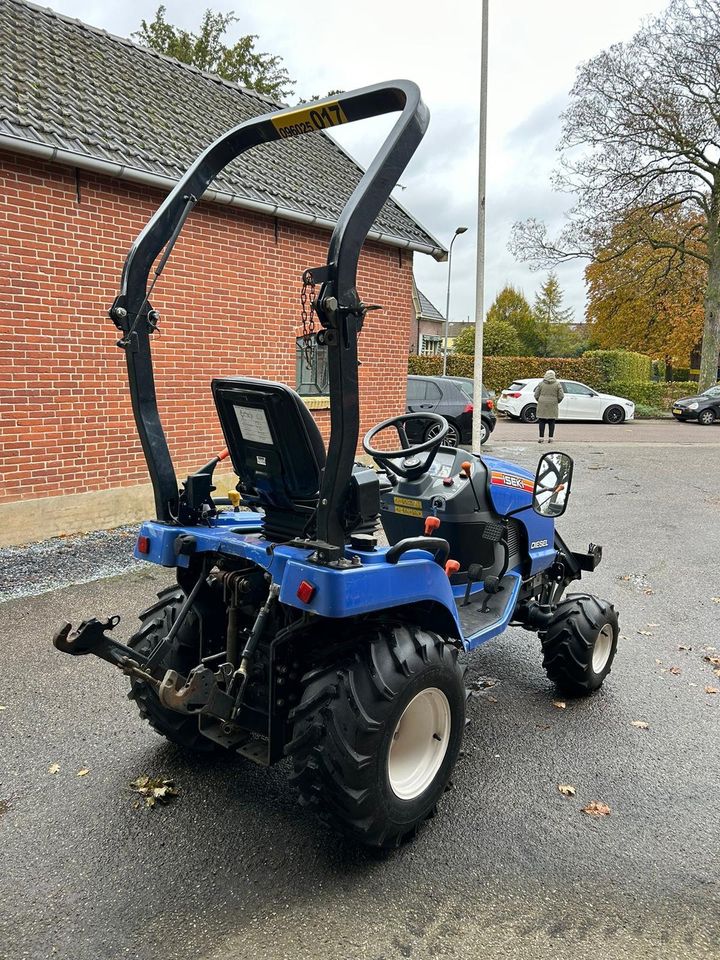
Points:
(707, 417)
(484, 432)
(452, 438)
(579, 644)
(182, 656)
(614, 415)
(528, 414)
(375, 738)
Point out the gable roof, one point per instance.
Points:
(75, 94)
(424, 308)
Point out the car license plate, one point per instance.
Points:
(677, 410)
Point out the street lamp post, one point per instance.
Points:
(480, 269)
(447, 301)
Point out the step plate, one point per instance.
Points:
(479, 625)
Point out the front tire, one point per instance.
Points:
(579, 644)
(614, 415)
(484, 432)
(529, 413)
(182, 656)
(375, 738)
(707, 417)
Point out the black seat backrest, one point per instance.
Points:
(274, 443)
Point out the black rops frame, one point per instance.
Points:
(340, 310)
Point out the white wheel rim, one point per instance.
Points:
(602, 648)
(419, 744)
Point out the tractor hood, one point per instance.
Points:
(510, 486)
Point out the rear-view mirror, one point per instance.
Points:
(552, 484)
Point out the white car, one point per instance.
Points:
(579, 403)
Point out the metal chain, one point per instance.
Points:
(308, 319)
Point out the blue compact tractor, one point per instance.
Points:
(292, 631)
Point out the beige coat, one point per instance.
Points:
(548, 394)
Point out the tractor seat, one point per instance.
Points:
(275, 446)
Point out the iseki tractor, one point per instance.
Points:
(292, 632)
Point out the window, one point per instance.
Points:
(576, 389)
(311, 368)
(416, 390)
(430, 346)
(433, 391)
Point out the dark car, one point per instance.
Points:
(705, 408)
(450, 398)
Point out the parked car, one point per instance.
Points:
(450, 398)
(579, 403)
(705, 407)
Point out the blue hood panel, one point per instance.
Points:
(510, 486)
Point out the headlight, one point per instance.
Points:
(693, 406)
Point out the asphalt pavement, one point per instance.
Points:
(510, 868)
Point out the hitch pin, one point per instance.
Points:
(131, 669)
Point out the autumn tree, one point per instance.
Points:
(206, 50)
(464, 342)
(643, 129)
(635, 304)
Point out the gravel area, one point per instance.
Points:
(35, 568)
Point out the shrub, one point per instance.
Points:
(500, 372)
(621, 364)
(643, 412)
(649, 393)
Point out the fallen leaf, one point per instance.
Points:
(641, 724)
(715, 599)
(3, 708)
(681, 647)
(154, 789)
(716, 671)
(566, 789)
(675, 671)
(596, 809)
(648, 591)
(54, 768)
(491, 699)
(84, 772)
(560, 704)
(658, 662)
(715, 661)
(645, 633)
(711, 690)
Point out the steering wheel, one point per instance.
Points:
(412, 466)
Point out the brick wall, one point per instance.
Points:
(229, 304)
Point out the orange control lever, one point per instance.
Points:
(466, 467)
(431, 525)
(451, 567)
(224, 454)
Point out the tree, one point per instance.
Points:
(239, 63)
(643, 129)
(464, 342)
(510, 306)
(555, 336)
(634, 304)
(500, 339)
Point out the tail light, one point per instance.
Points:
(468, 408)
(490, 404)
(514, 395)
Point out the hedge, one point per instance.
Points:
(621, 364)
(651, 394)
(592, 368)
(500, 372)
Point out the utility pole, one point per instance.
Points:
(457, 233)
(480, 269)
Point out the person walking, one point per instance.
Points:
(548, 394)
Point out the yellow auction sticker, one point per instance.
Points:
(407, 512)
(309, 119)
(407, 502)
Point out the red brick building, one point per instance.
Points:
(93, 132)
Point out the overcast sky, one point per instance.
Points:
(534, 50)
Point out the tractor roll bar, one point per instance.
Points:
(339, 308)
